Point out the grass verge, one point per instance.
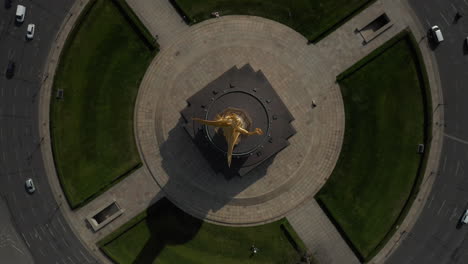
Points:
(377, 176)
(165, 234)
(100, 69)
(312, 18)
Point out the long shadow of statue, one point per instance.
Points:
(168, 225)
(187, 169)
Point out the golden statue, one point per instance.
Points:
(234, 123)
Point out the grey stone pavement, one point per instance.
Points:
(12, 247)
(198, 57)
(160, 18)
(320, 235)
(344, 47)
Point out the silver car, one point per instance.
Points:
(30, 31)
(464, 219)
(29, 184)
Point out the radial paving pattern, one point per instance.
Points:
(297, 72)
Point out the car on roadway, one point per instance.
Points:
(20, 13)
(10, 70)
(30, 31)
(7, 4)
(464, 219)
(29, 184)
(436, 34)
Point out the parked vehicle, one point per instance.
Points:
(20, 13)
(29, 184)
(437, 34)
(464, 219)
(10, 71)
(30, 31)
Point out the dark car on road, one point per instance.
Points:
(10, 71)
(7, 4)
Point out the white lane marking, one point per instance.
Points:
(71, 260)
(65, 242)
(13, 245)
(458, 167)
(428, 23)
(454, 213)
(21, 215)
(53, 246)
(445, 19)
(33, 211)
(443, 203)
(43, 230)
(430, 202)
(61, 224)
(37, 234)
(11, 53)
(42, 252)
(456, 139)
(50, 230)
(25, 240)
(454, 8)
(445, 162)
(84, 256)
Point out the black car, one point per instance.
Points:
(10, 71)
(7, 4)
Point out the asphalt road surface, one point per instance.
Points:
(12, 247)
(437, 237)
(37, 218)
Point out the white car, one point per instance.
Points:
(30, 31)
(29, 184)
(464, 219)
(20, 13)
(437, 34)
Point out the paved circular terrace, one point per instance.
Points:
(297, 72)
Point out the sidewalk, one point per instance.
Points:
(160, 18)
(320, 235)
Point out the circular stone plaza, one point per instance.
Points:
(299, 76)
(337, 144)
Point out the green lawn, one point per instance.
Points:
(378, 164)
(92, 127)
(312, 18)
(165, 234)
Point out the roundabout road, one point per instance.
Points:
(435, 237)
(37, 218)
